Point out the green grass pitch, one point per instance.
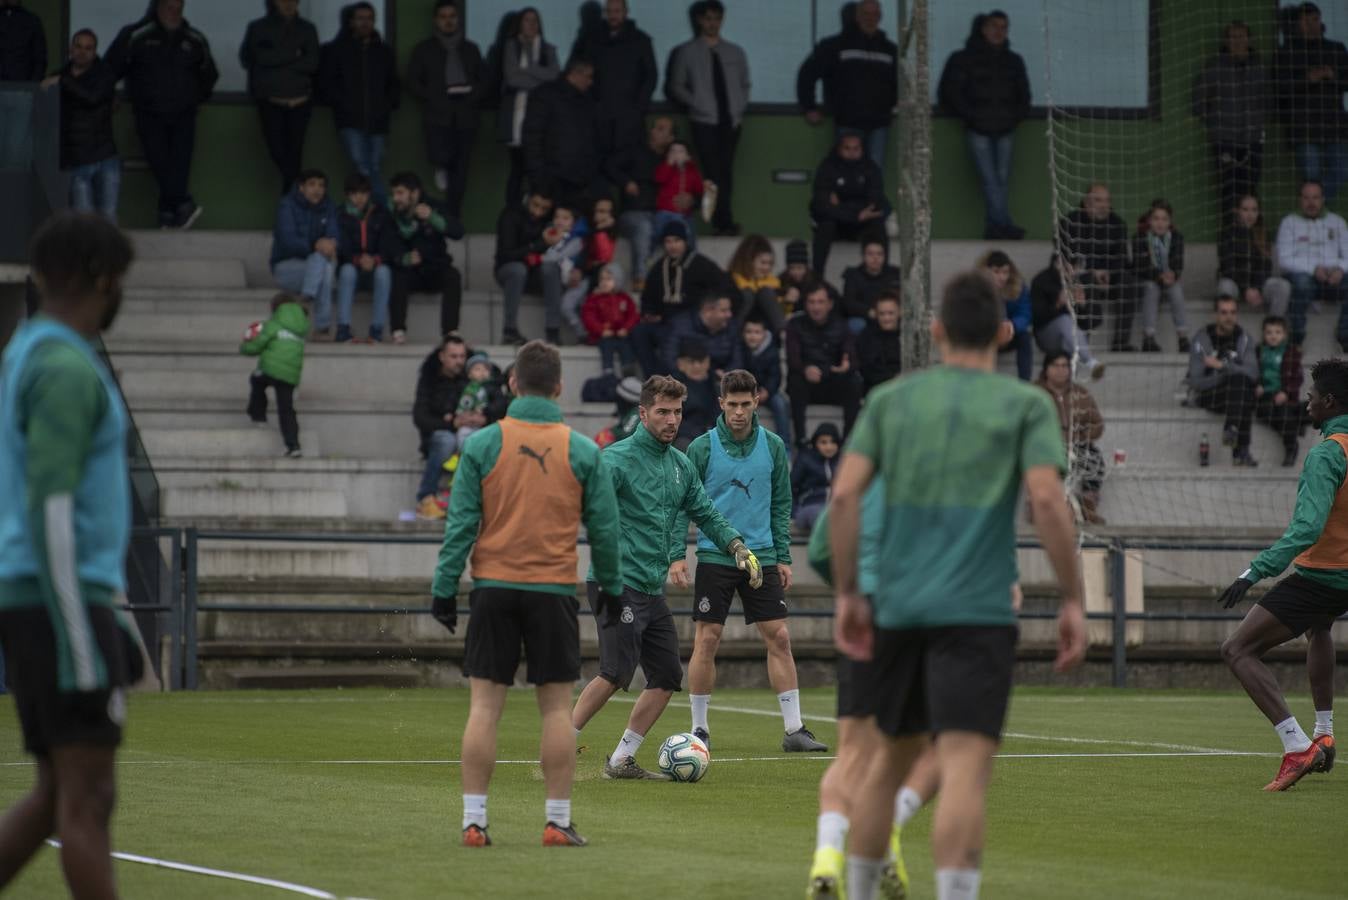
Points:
(352, 792)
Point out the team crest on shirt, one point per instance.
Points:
(628, 616)
(704, 605)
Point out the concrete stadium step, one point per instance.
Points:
(211, 436)
(283, 560)
(229, 500)
(185, 272)
(1171, 438)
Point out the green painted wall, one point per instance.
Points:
(234, 180)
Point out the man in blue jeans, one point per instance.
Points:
(88, 151)
(304, 246)
(358, 78)
(440, 384)
(1313, 256)
(1311, 73)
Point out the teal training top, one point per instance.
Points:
(742, 490)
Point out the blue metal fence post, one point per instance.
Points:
(175, 614)
(190, 610)
(1118, 587)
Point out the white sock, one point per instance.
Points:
(831, 831)
(558, 812)
(906, 805)
(863, 876)
(957, 884)
(700, 702)
(475, 810)
(1324, 722)
(790, 704)
(1294, 740)
(628, 746)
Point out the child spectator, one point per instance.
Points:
(1158, 254)
(600, 243)
(1082, 425)
(279, 346)
(763, 358)
(701, 407)
(796, 273)
(759, 289)
(609, 315)
(1278, 393)
(863, 283)
(1245, 260)
(812, 475)
(479, 394)
(364, 247)
(1015, 293)
(560, 262)
(678, 190)
(628, 413)
(879, 346)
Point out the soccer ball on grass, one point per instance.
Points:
(683, 757)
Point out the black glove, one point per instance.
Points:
(445, 612)
(609, 606)
(1236, 592)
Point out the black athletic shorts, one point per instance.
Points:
(954, 678)
(1303, 603)
(503, 619)
(48, 716)
(714, 588)
(643, 633)
(854, 689)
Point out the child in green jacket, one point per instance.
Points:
(279, 346)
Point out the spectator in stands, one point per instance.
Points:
(795, 275)
(358, 78)
(528, 62)
(713, 325)
(561, 136)
(849, 199)
(609, 315)
(1051, 315)
(819, 356)
(520, 244)
(1158, 254)
(679, 186)
(1312, 76)
(709, 78)
(762, 354)
(169, 73)
(700, 407)
(23, 57)
(480, 395)
(627, 413)
(280, 54)
(674, 284)
(440, 384)
(560, 265)
(1015, 293)
(625, 75)
(304, 246)
(1231, 98)
(985, 86)
(863, 283)
(1094, 241)
(366, 250)
(1278, 393)
(1082, 426)
(759, 288)
(633, 172)
(880, 344)
(446, 74)
(88, 151)
(423, 263)
(1313, 255)
(1223, 372)
(1245, 260)
(812, 475)
(599, 245)
(279, 347)
(860, 71)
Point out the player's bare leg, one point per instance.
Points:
(486, 702)
(1320, 671)
(557, 753)
(965, 765)
(27, 824)
(86, 791)
(592, 699)
(782, 676)
(702, 674)
(621, 763)
(858, 741)
(873, 811)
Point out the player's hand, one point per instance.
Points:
(1235, 593)
(608, 607)
(678, 574)
(1017, 597)
(852, 631)
(1071, 636)
(444, 612)
(784, 573)
(746, 562)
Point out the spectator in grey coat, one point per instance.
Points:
(445, 73)
(280, 53)
(1231, 98)
(1223, 372)
(527, 62)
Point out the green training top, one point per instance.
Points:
(699, 454)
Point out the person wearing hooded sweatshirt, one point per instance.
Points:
(762, 354)
(1311, 73)
(625, 76)
(527, 62)
(280, 54)
(848, 200)
(986, 87)
(1231, 99)
(446, 74)
(304, 245)
(812, 475)
(279, 347)
(358, 78)
(366, 247)
(676, 282)
(169, 73)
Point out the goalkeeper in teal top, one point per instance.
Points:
(747, 475)
(954, 445)
(64, 527)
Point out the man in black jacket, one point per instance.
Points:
(446, 74)
(1312, 76)
(863, 284)
(520, 244)
(440, 384)
(879, 346)
(633, 172)
(1094, 241)
(848, 201)
(88, 152)
(985, 86)
(169, 73)
(280, 54)
(424, 263)
(562, 136)
(625, 76)
(819, 359)
(860, 71)
(676, 283)
(358, 78)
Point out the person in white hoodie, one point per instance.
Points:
(1313, 256)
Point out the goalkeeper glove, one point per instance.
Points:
(444, 612)
(1236, 592)
(609, 606)
(746, 562)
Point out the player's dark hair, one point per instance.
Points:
(1222, 298)
(72, 252)
(538, 369)
(813, 285)
(310, 174)
(407, 180)
(577, 63)
(971, 311)
(451, 338)
(357, 183)
(1273, 320)
(85, 31)
(997, 259)
(887, 295)
(1315, 181)
(661, 386)
(738, 381)
(873, 242)
(711, 297)
(1330, 377)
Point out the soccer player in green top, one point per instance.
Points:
(65, 521)
(953, 444)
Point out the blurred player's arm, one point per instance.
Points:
(852, 630)
(464, 515)
(781, 501)
(1321, 478)
(603, 524)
